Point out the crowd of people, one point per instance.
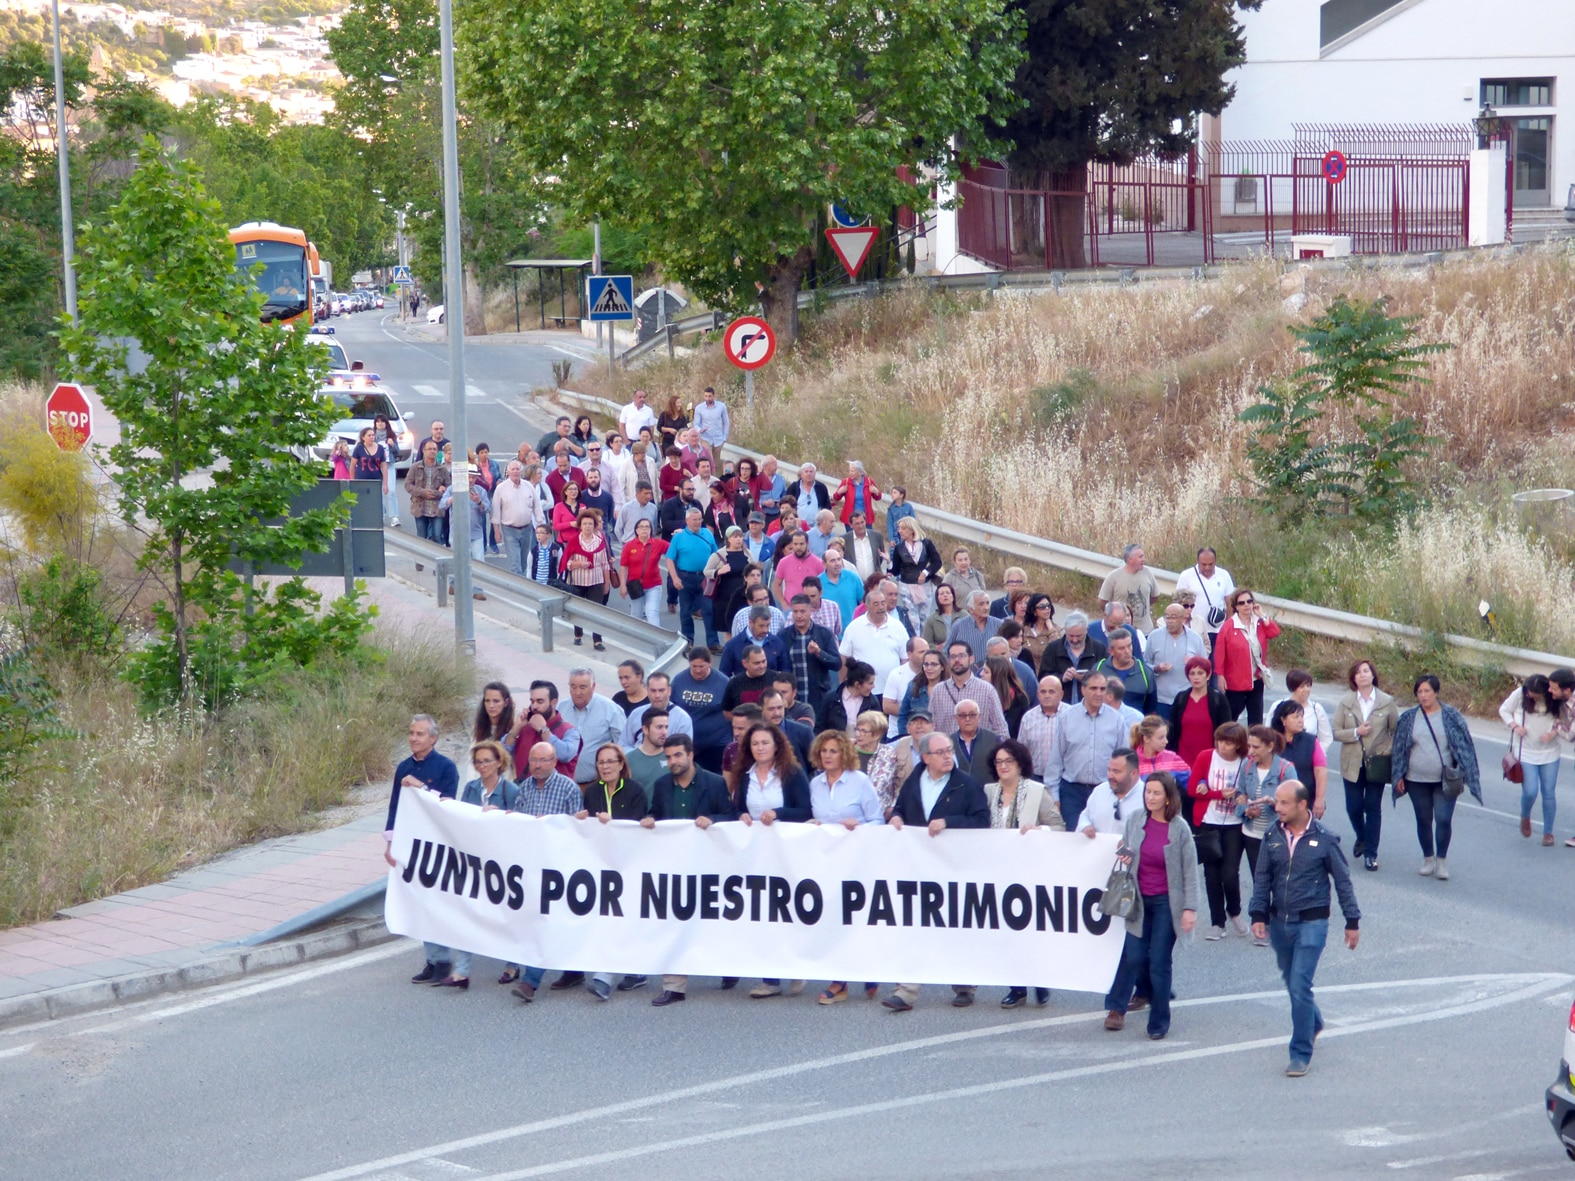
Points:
(847, 674)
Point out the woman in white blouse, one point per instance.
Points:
(1533, 719)
(841, 794)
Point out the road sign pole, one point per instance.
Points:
(749, 388)
(454, 315)
(63, 155)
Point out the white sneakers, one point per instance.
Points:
(1213, 934)
(1429, 865)
(1238, 926)
(1442, 873)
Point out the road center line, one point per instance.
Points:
(1532, 984)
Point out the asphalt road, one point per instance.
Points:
(1445, 1025)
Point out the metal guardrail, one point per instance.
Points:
(705, 322)
(1308, 617)
(659, 650)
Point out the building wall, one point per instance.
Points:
(1423, 61)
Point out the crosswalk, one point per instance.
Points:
(433, 392)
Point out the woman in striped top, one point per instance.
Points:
(586, 565)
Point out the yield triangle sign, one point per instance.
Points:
(852, 246)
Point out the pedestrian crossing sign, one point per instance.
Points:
(402, 277)
(610, 297)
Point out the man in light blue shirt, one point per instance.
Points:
(659, 687)
(840, 583)
(597, 718)
(1169, 646)
(687, 554)
(712, 421)
(1080, 754)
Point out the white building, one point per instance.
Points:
(1415, 61)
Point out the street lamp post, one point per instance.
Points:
(454, 316)
(62, 154)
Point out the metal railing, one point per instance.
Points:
(705, 322)
(1308, 617)
(659, 650)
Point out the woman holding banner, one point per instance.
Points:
(768, 785)
(1158, 848)
(615, 795)
(1018, 800)
(841, 794)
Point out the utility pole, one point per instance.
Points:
(596, 268)
(454, 315)
(62, 154)
(399, 255)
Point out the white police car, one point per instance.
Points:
(359, 402)
(1561, 1095)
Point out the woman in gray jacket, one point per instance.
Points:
(1164, 860)
(1364, 726)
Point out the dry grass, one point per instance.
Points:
(138, 798)
(1107, 415)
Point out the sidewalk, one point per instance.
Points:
(273, 904)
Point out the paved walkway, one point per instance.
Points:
(196, 927)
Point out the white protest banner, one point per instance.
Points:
(798, 901)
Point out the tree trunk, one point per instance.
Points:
(475, 309)
(779, 298)
(1067, 218)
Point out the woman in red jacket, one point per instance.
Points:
(1241, 654)
(641, 559)
(1212, 790)
(857, 493)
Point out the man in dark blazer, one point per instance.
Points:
(973, 747)
(942, 796)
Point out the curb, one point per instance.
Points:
(222, 966)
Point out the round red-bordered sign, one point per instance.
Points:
(1334, 167)
(749, 342)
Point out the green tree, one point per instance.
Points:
(1109, 81)
(719, 131)
(1361, 362)
(206, 423)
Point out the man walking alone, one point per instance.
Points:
(1290, 903)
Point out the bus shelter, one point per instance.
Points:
(541, 266)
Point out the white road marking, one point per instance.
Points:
(15, 1050)
(1531, 985)
(429, 391)
(1422, 1161)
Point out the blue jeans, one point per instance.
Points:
(1297, 946)
(516, 545)
(1074, 798)
(437, 953)
(1364, 806)
(430, 529)
(1148, 953)
(1540, 777)
(689, 597)
(1435, 815)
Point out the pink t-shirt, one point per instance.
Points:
(793, 571)
(1151, 875)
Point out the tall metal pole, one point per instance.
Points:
(454, 314)
(399, 254)
(596, 267)
(62, 154)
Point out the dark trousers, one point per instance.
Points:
(1219, 849)
(1150, 954)
(1074, 798)
(689, 598)
(596, 593)
(1364, 805)
(445, 524)
(1251, 845)
(1435, 817)
(1250, 700)
(430, 529)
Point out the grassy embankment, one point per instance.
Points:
(133, 797)
(1103, 416)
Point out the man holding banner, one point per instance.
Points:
(940, 795)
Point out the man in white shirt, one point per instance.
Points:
(636, 415)
(1111, 802)
(512, 522)
(1212, 584)
(876, 638)
(896, 686)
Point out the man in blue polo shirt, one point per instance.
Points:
(687, 554)
(425, 768)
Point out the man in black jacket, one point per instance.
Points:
(687, 792)
(812, 654)
(940, 796)
(1075, 653)
(1290, 904)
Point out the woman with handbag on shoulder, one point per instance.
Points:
(641, 560)
(1533, 758)
(1241, 654)
(1435, 763)
(1159, 853)
(1364, 726)
(587, 566)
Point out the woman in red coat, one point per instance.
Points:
(857, 493)
(1241, 654)
(641, 559)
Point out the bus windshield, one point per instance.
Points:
(282, 280)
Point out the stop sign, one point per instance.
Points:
(70, 417)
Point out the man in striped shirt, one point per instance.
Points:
(546, 791)
(1037, 731)
(965, 684)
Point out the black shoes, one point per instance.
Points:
(668, 997)
(962, 1000)
(896, 1004)
(460, 982)
(1015, 998)
(1041, 997)
(1358, 849)
(568, 980)
(728, 982)
(630, 983)
(431, 973)
(1370, 864)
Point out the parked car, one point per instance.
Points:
(1561, 1095)
(435, 314)
(359, 403)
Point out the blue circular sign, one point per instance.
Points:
(1334, 167)
(845, 219)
